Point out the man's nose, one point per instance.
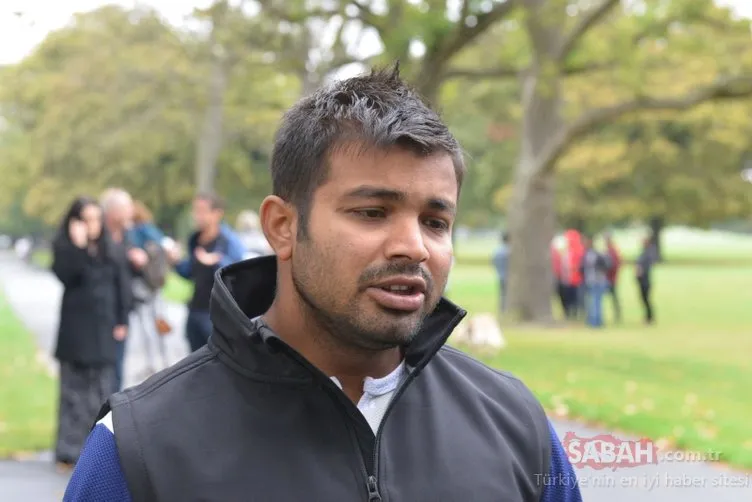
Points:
(407, 241)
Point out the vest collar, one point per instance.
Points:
(245, 290)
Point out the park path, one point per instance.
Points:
(35, 294)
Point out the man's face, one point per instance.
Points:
(204, 216)
(378, 249)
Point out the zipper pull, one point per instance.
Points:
(373, 490)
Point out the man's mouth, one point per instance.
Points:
(399, 289)
(407, 294)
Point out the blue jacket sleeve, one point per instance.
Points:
(152, 234)
(235, 249)
(98, 475)
(184, 268)
(561, 485)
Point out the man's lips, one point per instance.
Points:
(403, 293)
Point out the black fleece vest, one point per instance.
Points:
(246, 418)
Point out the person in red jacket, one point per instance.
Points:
(613, 273)
(571, 277)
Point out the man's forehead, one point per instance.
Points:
(396, 170)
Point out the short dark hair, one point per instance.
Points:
(376, 110)
(215, 201)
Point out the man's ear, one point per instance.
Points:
(279, 221)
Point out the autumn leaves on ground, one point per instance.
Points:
(683, 382)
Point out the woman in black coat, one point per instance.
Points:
(93, 314)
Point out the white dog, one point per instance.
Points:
(480, 330)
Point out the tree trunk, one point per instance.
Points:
(532, 210)
(532, 222)
(210, 141)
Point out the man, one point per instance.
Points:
(643, 273)
(117, 208)
(326, 376)
(500, 262)
(212, 246)
(594, 269)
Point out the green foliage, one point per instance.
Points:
(27, 396)
(114, 99)
(117, 98)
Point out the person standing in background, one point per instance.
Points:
(213, 245)
(93, 319)
(571, 261)
(500, 261)
(148, 283)
(643, 272)
(249, 231)
(117, 208)
(614, 258)
(594, 268)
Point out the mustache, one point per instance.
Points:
(391, 269)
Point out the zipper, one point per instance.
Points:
(372, 479)
(373, 489)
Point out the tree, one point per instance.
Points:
(94, 103)
(113, 99)
(634, 56)
(682, 170)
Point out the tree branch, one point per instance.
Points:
(465, 34)
(369, 17)
(582, 68)
(482, 73)
(724, 88)
(513, 72)
(585, 23)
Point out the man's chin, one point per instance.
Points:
(401, 328)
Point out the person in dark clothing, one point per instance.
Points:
(327, 376)
(614, 258)
(93, 316)
(594, 269)
(500, 261)
(212, 246)
(643, 272)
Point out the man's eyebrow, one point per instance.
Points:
(439, 204)
(376, 192)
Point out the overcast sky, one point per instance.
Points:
(19, 35)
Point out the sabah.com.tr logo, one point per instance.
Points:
(605, 451)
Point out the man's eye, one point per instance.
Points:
(437, 224)
(370, 213)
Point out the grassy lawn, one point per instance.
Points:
(28, 395)
(686, 380)
(681, 246)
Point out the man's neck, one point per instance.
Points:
(348, 364)
(209, 233)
